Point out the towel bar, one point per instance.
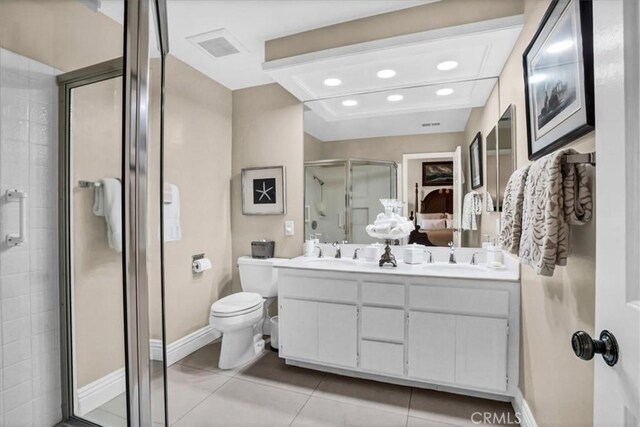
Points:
(589, 158)
(88, 184)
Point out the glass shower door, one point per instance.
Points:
(110, 227)
(97, 300)
(325, 201)
(370, 182)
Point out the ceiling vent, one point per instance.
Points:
(219, 43)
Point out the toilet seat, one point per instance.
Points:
(237, 304)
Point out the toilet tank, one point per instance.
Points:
(258, 275)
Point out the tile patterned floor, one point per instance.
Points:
(267, 392)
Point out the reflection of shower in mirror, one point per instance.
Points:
(320, 206)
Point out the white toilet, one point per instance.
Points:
(240, 316)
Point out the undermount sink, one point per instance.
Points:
(338, 262)
(455, 268)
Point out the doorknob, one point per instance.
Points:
(586, 347)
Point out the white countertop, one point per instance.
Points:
(511, 271)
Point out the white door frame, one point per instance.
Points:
(443, 155)
(617, 92)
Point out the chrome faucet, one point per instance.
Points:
(320, 255)
(336, 245)
(430, 259)
(355, 253)
(473, 258)
(452, 253)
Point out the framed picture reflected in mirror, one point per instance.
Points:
(475, 161)
(437, 173)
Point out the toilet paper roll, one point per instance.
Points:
(201, 265)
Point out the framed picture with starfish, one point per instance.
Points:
(264, 191)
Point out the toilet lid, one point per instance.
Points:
(234, 303)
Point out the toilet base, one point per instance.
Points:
(239, 347)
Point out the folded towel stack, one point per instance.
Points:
(390, 224)
(548, 196)
(471, 208)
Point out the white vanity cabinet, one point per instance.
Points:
(322, 320)
(455, 334)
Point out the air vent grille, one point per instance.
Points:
(218, 43)
(218, 47)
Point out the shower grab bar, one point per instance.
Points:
(20, 197)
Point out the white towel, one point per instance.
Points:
(108, 203)
(471, 207)
(172, 229)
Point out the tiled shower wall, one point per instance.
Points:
(30, 357)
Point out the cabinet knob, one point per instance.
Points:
(586, 347)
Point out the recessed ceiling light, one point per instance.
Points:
(447, 65)
(560, 46)
(332, 82)
(395, 98)
(444, 91)
(386, 74)
(349, 102)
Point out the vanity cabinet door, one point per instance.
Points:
(481, 352)
(299, 329)
(432, 346)
(338, 334)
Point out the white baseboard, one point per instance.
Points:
(100, 391)
(184, 346)
(521, 407)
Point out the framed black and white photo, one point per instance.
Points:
(558, 77)
(475, 161)
(263, 191)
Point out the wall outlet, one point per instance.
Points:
(289, 229)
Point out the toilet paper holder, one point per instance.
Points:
(195, 265)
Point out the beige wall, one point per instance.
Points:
(61, 33)
(267, 131)
(557, 387)
(445, 13)
(67, 36)
(389, 147)
(312, 148)
(198, 161)
(97, 280)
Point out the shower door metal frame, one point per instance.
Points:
(66, 83)
(348, 187)
(134, 68)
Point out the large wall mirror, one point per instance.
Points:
(500, 159)
(399, 143)
(376, 121)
